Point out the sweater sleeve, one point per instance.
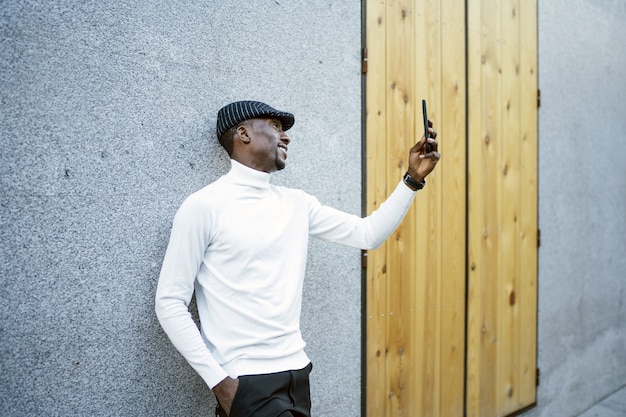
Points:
(189, 239)
(333, 225)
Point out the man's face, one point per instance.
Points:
(268, 145)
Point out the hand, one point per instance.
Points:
(421, 163)
(225, 392)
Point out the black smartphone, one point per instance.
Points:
(427, 147)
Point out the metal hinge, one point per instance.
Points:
(538, 237)
(363, 259)
(538, 98)
(538, 376)
(364, 61)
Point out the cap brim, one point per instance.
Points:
(286, 119)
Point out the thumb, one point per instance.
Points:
(418, 146)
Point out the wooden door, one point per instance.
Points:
(502, 199)
(428, 285)
(416, 281)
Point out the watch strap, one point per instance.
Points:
(412, 182)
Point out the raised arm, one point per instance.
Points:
(368, 233)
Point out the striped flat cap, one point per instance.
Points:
(234, 113)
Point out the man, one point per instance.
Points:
(241, 244)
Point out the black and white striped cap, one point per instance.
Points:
(234, 113)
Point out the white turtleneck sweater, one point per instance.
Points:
(241, 244)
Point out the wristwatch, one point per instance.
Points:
(413, 183)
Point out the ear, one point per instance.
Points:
(243, 133)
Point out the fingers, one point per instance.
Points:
(431, 132)
(434, 155)
(432, 135)
(434, 145)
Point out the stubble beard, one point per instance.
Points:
(280, 163)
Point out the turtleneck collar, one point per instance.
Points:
(244, 175)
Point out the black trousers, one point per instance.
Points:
(281, 394)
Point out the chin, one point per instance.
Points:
(280, 164)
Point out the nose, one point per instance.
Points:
(284, 138)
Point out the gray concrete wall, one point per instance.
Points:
(107, 124)
(582, 204)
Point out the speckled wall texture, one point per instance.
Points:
(582, 204)
(107, 124)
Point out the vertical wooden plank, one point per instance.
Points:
(451, 125)
(423, 334)
(428, 211)
(433, 197)
(475, 205)
(490, 158)
(528, 209)
(376, 287)
(401, 246)
(484, 204)
(508, 304)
